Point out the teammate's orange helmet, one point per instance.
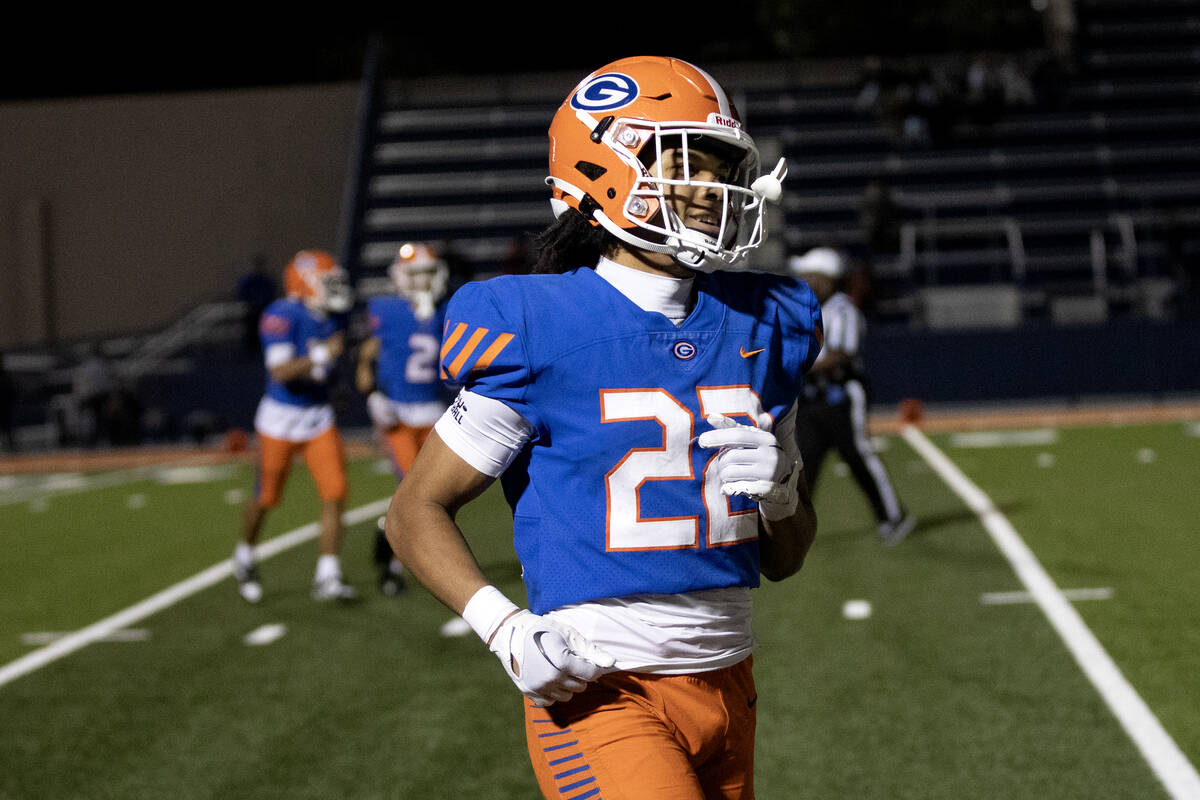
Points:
(606, 143)
(315, 278)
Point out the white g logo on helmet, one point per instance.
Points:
(605, 92)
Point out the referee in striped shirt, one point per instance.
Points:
(832, 412)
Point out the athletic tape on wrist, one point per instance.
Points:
(318, 354)
(486, 609)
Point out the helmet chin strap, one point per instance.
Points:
(698, 259)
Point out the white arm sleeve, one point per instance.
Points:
(278, 353)
(484, 432)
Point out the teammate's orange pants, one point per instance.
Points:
(636, 736)
(324, 456)
(403, 442)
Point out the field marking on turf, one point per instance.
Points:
(25, 489)
(22, 488)
(168, 597)
(1005, 598)
(1005, 438)
(856, 609)
(265, 634)
(1172, 767)
(49, 637)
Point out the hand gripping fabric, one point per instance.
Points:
(751, 463)
(547, 660)
(380, 410)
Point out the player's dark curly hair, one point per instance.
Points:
(571, 242)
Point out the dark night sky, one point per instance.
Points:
(60, 53)
(56, 63)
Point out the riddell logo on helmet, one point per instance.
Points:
(605, 92)
(728, 122)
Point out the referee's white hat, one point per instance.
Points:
(821, 260)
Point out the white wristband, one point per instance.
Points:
(486, 609)
(318, 354)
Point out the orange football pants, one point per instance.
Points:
(324, 456)
(632, 736)
(403, 442)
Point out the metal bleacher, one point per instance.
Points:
(1064, 202)
(460, 163)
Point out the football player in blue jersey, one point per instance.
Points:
(635, 398)
(397, 370)
(302, 339)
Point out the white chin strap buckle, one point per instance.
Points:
(770, 186)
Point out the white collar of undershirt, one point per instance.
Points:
(649, 292)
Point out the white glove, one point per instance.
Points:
(381, 411)
(751, 463)
(547, 660)
(319, 355)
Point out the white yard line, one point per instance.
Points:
(1172, 767)
(1010, 598)
(1028, 438)
(30, 488)
(168, 597)
(25, 489)
(49, 637)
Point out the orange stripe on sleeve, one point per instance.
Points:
(448, 345)
(468, 348)
(453, 338)
(488, 355)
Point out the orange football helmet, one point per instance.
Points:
(315, 278)
(420, 276)
(606, 145)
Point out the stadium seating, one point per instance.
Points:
(1084, 195)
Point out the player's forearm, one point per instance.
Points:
(784, 543)
(829, 361)
(293, 369)
(364, 371)
(364, 379)
(431, 546)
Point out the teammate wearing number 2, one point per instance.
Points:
(397, 370)
(635, 399)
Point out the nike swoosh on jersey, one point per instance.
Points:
(744, 354)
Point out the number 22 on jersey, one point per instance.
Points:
(672, 460)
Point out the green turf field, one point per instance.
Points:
(954, 686)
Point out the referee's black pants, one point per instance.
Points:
(821, 427)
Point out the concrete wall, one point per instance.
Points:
(1133, 357)
(119, 213)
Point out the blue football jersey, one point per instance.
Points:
(408, 353)
(291, 322)
(612, 497)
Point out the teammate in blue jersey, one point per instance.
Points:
(397, 370)
(302, 340)
(635, 400)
